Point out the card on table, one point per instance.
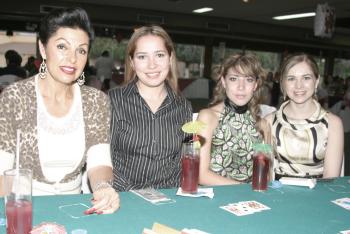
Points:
(152, 195)
(343, 202)
(245, 207)
(237, 209)
(255, 206)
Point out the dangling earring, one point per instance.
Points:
(81, 79)
(315, 93)
(42, 69)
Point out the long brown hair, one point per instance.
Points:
(250, 66)
(158, 31)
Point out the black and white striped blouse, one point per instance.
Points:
(146, 146)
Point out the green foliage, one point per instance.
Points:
(189, 53)
(269, 61)
(116, 49)
(217, 54)
(342, 68)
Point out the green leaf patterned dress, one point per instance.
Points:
(232, 145)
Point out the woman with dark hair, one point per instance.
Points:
(63, 124)
(233, 122)
(147, 114)
(307, 139)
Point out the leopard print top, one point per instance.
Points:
(18, 110)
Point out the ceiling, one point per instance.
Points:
(235, 22)
(260, 11)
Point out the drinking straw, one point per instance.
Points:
(17, 150)
(17, 178)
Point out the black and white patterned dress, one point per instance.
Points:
(300, 145)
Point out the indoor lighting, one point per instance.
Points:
(202, 10)
(294, 16)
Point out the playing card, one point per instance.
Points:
(245, 207)
(254, 206)
(237, 209)
(343, 202)
(152, 195)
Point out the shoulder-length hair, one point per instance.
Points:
(249, 64)
(130, 74)
(293, 59)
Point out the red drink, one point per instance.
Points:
(190, 173)
(19, 217)
(261, 165)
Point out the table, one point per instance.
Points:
(293, 210)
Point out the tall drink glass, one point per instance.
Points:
(190, 167)
(18, 201)
(262, 167)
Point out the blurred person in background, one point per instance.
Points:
(13, 65)
(104, 66)
(342, 109)
(30, 66)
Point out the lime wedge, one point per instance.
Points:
(193, 127)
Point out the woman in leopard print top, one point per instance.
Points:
(63, 125)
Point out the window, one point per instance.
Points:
(270, 61)
(341, 68)
(190, 60)
(115, 48)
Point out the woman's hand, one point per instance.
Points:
(105, 201)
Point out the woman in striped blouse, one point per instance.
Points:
(147, 115)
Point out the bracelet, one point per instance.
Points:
(103, 184)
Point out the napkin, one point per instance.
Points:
(201, 192)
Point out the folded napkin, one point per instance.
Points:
(201, 192)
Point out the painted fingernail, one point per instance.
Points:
(87, 212)
(90, 211)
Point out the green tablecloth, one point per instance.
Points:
(293, 210)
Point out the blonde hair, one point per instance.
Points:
(158, 31)
(250, 66)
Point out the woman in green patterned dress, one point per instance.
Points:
(233, 122)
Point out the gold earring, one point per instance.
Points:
(81, 79)
(42, 69)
